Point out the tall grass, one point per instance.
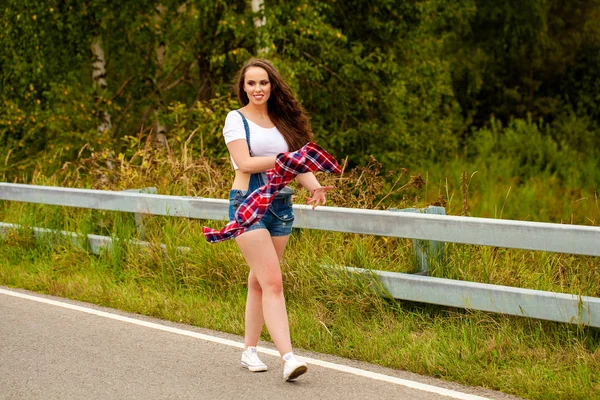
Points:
(329, 311)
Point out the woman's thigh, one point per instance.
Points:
(280, 242)
(262, 256)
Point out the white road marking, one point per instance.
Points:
(325, 364)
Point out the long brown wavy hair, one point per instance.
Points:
(285, 111)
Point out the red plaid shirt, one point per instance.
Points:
(309, 158)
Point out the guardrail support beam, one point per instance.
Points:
(426, 250)
(550, 306)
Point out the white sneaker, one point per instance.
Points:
(251, 361)
(292, 368)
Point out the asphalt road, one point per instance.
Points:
(54, 348)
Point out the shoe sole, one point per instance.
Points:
(297, 372)
(254, 369)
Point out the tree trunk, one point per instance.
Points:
(160, 131)
(256, 5)
(259, 22)
(99, 77)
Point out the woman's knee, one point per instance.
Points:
(273, 285)
(268, 279)
(253, 283)
(269, 282)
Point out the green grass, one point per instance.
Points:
(494, 192)
(329, 311)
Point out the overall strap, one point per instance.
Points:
(247, 129)
(260, 177)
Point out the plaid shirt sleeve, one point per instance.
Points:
(310, 158)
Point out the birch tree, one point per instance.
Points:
(160, 130)
(99, 77)
(260, 20)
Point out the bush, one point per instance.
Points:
(530, 149)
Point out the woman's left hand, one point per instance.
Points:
(318, 196)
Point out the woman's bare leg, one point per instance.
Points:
(262, 254)
(254, 313)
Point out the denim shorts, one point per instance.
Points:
(277, 220)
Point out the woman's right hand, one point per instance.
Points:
(318, 196)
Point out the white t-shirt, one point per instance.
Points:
(263, 141)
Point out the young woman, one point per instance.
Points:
(270, 122)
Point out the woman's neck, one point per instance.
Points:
(257, 111)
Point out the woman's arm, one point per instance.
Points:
(309, 181)
(318, 193)
(241, 155)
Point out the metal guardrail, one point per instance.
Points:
(559, 238)
(551, 306)
(95, 243)
(572, 239)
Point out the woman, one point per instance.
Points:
(270, 122)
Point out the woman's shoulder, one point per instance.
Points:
(234, 126)
(233, 116)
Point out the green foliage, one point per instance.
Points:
(406, 82)
(513, 58)
(506, 93)
(578, 133)
(529, 150)
(374, 85)
(53, 103)
(330, 311)
(47, 133)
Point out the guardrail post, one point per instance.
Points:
(139, 216)
(426, 250)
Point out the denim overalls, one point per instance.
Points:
(280, 216)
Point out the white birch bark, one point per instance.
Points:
(256, 6)
(160, 131)
(99, 77)
(259, 22)
(161, 52)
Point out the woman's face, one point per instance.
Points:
(257, 85)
